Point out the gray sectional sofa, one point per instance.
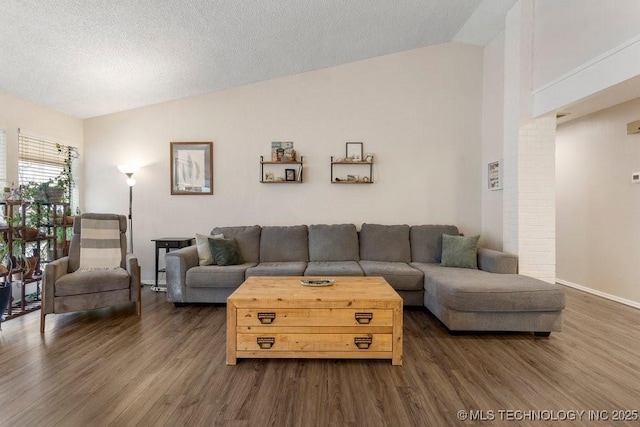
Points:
(490, 298)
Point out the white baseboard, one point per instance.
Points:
(615, 298)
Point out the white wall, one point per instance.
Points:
(419, 112)
(16, 113)
(569, 33)
(598, 208)
(492, 139)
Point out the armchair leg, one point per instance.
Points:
(42, 315)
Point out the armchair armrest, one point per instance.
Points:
(177, 264)
(52, 272)
(131, 263)
(497, 262)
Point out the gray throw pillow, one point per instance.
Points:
(460, 251)
(225, 252)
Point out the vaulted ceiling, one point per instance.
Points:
(87, 58)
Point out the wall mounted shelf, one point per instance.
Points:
(293, 172)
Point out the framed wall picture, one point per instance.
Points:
(494, 175)
(289, 174)
(191, 168)
(354, 151)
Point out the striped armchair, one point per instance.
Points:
(100, 275)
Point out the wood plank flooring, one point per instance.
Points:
(109, 367)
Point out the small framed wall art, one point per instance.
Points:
(354, 151)
(494, 175)
(191, 168)
(289, 174)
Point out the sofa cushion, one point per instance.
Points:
(294, 268)
(426, 241)
(388, 243)
(400, 275)
(247, 238)
(204, 251)
(459, 251)
(214, 276)
(464, 289)
(284, 244)
(333, 268)
(337, 242)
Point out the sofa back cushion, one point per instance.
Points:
(284, 244)
(388, 243)
(247, 239)
(336, 242)
(426, 241)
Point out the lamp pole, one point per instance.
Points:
(131, 181)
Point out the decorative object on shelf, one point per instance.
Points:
(354, 151)
(282, 151)
(290, 174)
(494, 175)
(129, 171)
(352, 163)
(191, 168)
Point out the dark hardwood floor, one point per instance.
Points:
(109, 367)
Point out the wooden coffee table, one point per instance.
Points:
(277, 317)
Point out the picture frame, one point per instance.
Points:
(191, 168)
(494, 175)
(282, 151)
(289, 174)
(354, 151)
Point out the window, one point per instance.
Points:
(41, 160)
(3, 158)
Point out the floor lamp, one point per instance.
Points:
(131, 181)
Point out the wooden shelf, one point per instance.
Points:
(297, 173)
(368, 164)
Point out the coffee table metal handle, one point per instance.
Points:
(265, 343)
(364, 318)
(363, 343)
(266, 318)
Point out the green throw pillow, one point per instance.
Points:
(202, 245)
(225, 252)
(460, 251)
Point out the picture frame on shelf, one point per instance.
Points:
(191, 168)
(290, 174)
(282, 151)
(494, 175)
(354, 151)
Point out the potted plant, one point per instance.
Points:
(59, 188)
(12, 261)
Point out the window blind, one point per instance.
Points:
(3, 158)
(41, 160)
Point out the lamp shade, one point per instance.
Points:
(128, 169)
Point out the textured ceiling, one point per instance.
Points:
(92, 57)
